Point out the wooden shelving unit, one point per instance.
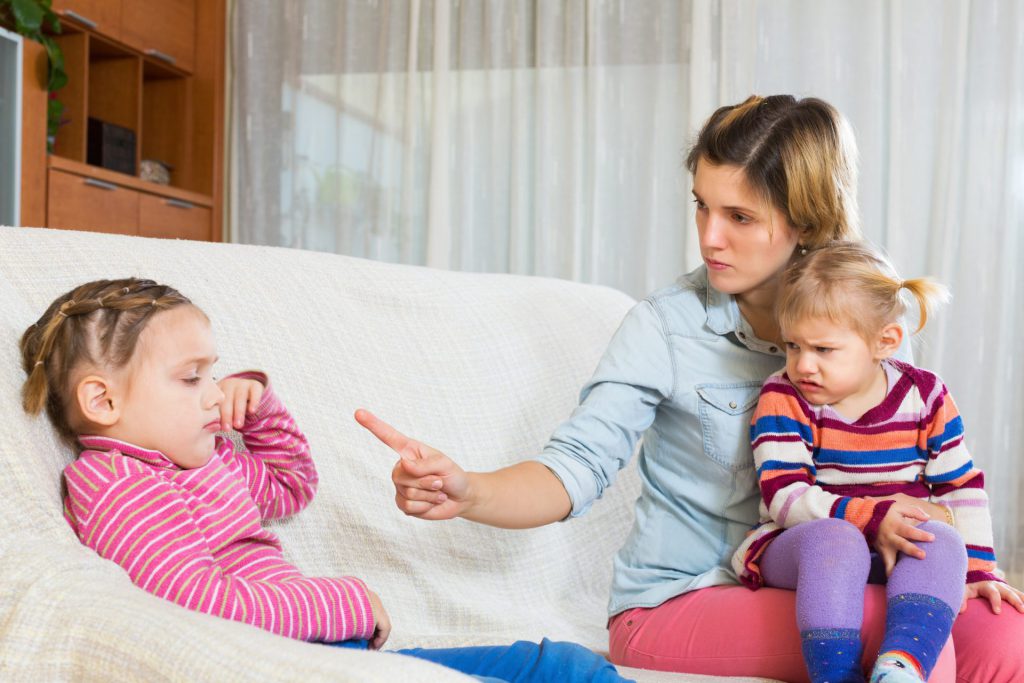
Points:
(157, 70)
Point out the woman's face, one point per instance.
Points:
(745, 241)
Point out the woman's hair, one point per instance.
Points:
(798, 155)
(851, 284)
(96, 324)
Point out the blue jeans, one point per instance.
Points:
(520, 662)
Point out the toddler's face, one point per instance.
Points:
(829, 363)
(172, 403)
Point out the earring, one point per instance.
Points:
(803, 250)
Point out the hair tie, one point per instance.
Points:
(38, 363)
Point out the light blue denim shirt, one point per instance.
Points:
(683, 371)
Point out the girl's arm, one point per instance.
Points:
(144, 523)
(782, 435)
(276, 464)
(958, 484)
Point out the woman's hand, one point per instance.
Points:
(995, 592)
(896, 534)
(241, 397)
(428, 484)
(381, 620)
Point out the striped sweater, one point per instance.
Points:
(194, 536)
(813, 463)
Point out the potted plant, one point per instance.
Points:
(31, 18)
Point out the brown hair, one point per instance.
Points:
(852, 284)
(799, 155)
(97, 323)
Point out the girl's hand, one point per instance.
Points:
(936, 511)
(381, 620)
(428, 484)
(995, 592)
(896, 534)
(241, 398)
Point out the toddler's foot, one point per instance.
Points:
(896, 668)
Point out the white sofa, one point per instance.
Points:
(480, 366)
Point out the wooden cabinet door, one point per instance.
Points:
(78, 203)
(165, 29)
(103, 16)
(163, 217)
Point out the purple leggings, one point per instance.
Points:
(828, 563)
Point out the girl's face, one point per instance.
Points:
(745, 242)
(169, 399)
(831, 364)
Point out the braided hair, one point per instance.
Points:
(98, 324)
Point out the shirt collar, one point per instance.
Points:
(723, 318)
(106, 443)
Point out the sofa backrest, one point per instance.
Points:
(480, 366)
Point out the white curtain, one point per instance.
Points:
(546, 137)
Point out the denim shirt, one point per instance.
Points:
(683, 371)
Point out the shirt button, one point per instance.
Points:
(773, 349)
(732, 404)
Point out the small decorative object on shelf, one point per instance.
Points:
(111, 147)
(155, 171)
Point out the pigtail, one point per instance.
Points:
(929, 294)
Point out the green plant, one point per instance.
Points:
(32, 18)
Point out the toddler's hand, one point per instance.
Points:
(896, 534)
(241, 397)
(995, 592)
(382, 627)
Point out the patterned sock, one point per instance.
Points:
(917, 626)
(896, 667)
(832, 655)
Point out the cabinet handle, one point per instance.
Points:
(162, 56)
(180, 204)
(79, 18)
(100, 184)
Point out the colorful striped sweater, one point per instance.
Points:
(194, 536)
(812, 463)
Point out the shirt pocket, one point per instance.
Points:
(725, 411)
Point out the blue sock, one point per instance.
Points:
(917, 627)
(832, 655)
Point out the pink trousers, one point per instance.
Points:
(733, 631)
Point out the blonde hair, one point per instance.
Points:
(851, 284)
(798, 155)
(97, 323)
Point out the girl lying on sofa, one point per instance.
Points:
(124, 371)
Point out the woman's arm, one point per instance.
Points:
(582, 457)
(429, 485)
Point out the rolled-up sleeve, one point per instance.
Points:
(616, 406)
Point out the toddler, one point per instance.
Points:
(845, 438)
(124, 369)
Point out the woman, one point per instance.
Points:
(771, 176)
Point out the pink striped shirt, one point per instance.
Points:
(194, 536)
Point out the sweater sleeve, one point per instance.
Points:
(958, 484)
(144, 523)
(276, 461)
(783, 435)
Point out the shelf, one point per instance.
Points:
(128, 181)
